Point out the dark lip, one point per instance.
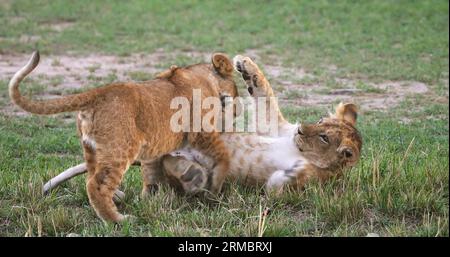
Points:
(239, 67)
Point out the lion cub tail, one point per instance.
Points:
(63, 104)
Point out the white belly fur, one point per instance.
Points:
(283, 153)
(278, 153)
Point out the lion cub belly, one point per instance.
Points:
(269, 155)
(253, 158)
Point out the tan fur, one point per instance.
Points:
(259, 86)
(167, 73)
(123, 122)
(344, 142)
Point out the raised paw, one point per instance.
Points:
(257, 84)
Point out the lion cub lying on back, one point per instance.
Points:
(298, 154)
(123, 122)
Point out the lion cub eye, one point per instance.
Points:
(324, 138)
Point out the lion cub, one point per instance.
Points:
(123, 122)
(312, 151)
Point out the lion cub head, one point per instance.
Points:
(333, 142)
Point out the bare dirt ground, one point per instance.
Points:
(64, 74)
(379, 96)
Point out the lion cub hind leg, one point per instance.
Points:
(211, 145)
(112, 161)
(101, 186)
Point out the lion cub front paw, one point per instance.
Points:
(252, 75)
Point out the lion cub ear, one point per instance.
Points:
(347, 112)
(222, 64)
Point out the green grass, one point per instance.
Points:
(140, 76)
(294, 94)
(399, 188)
(393, 191)
(368, 88)
(395, 40)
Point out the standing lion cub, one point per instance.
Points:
(123, 122)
